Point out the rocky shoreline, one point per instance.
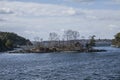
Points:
(58, 51)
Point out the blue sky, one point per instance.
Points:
(37, 18)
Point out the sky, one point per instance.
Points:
(37, 18)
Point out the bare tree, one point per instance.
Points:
(53, 36)
(54, 39)
(76, 35)
(71, 35)
(68, 35)
(38, 41)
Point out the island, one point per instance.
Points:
(10, 41)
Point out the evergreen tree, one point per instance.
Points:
(116, 41)
(9, 44)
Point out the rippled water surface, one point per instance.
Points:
(61, 66)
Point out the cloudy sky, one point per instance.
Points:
(37, 18)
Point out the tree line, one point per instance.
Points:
(8, 41)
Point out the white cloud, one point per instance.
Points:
(34, 19)
(5, 11)
(34, 9)
(113, 27)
